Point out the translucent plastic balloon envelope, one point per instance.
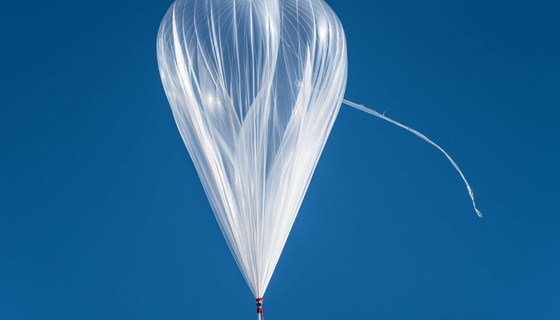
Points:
(255, 87)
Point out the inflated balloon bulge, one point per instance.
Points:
(255, 87)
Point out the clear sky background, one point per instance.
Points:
(102, 215)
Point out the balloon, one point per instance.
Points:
(255, 87)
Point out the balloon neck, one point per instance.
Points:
(259, 305)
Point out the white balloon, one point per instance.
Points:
(255, 87)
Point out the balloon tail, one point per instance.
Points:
(260, 309)
(423, 137)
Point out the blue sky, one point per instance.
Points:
(102, 215)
